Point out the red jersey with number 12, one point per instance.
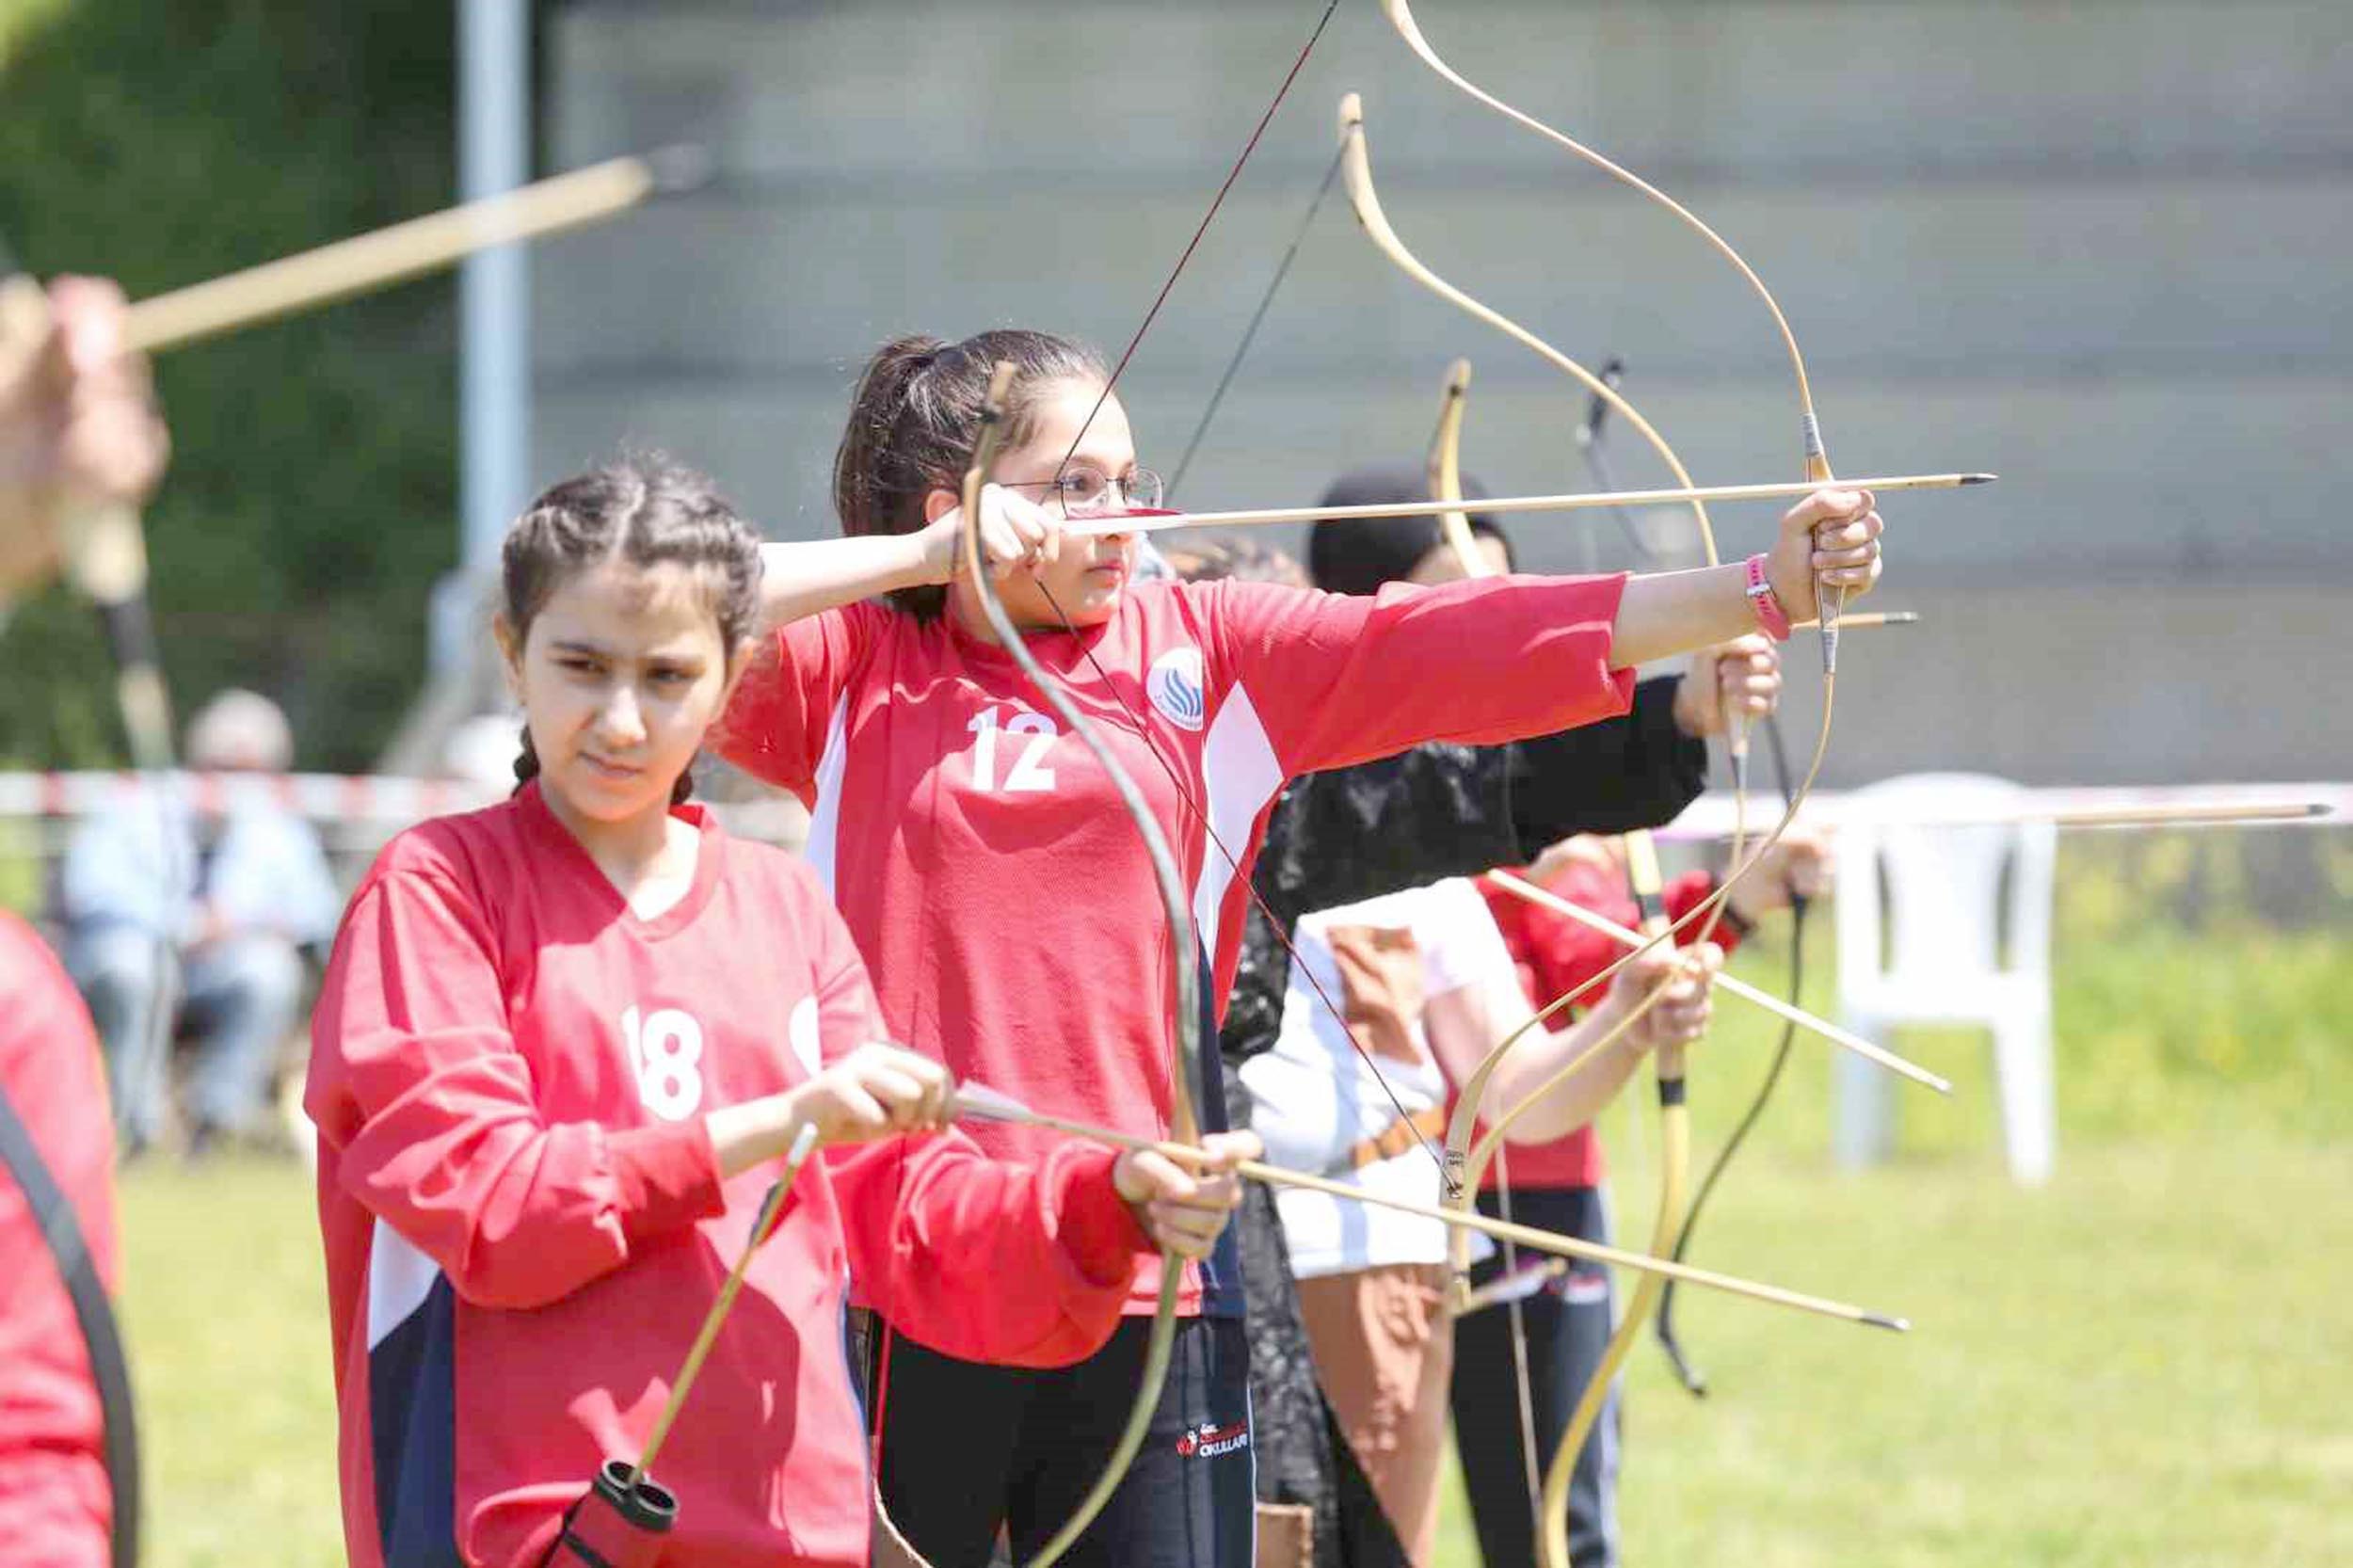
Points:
(983, 862)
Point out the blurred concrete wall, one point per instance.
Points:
(2099, 248)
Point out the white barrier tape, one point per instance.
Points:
(376, 800)
(1711, 816)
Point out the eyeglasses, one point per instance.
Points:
(1085, 492)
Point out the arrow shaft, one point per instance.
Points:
(1521, 889)
(1507, 505)
(1549, 1242)
(372, 260)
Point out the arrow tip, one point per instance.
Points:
(1978, 478)
(680, 168)
(1902, 618)
(978, 1100)
(1880, 1320)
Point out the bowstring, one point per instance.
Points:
(1257, 316)
(1299, 965)
(1799, 908)
(1135, 721)
(1193, 245)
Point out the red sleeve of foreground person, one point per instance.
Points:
(1555, 955)
(54, 1506)
(525, 1220)
(982, 858)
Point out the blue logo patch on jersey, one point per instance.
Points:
(1176, 684)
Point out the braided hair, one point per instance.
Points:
(645, 510)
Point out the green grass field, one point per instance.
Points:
(2148, 1362)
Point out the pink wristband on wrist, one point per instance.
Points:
(1770, 617)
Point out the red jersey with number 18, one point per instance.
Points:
(525, 1220)
(983, 861)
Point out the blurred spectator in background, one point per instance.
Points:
(77, 427)
(182, 925)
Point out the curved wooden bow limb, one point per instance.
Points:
(1674, 1167)
(1817, 458)
(1817, 468)
(1356, 171)
(1446, 483)
(771, 1212)
(1185, 1070)
(404, 251)
(1444, 470)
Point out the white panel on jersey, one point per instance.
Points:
(825, 823)
(399, 1279)
(1239, 775)
(800, 1032)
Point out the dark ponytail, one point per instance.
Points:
(913, 419)
(647, 511)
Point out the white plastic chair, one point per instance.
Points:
(1946, 896)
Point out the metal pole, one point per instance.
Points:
(494, 305)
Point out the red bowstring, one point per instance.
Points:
(1135, 721)
(1203, 228)
(881, 1362)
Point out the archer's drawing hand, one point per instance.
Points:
(1681, 1013)
(1184, 1211)
(1015, 533)
(876, 1091)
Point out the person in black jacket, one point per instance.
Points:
(1434, 811)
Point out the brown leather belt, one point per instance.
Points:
(1397, 1138)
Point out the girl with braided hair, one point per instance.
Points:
(561, 1046)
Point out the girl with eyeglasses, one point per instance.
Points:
(1001, 897)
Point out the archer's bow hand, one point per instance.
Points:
(1184, 1210)
(1796, 865)
(78, 424)
(1832, 537)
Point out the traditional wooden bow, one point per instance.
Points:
(1552, 1540)
(1185, 1064)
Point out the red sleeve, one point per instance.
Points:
(1682, 896)
(55, 1511)
(848, 1014)
(935, 1229)
(1556, 954)
(418, 1084)
(774, 726)
(1341, 679)
(1022, 1265)
(1559, 953)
